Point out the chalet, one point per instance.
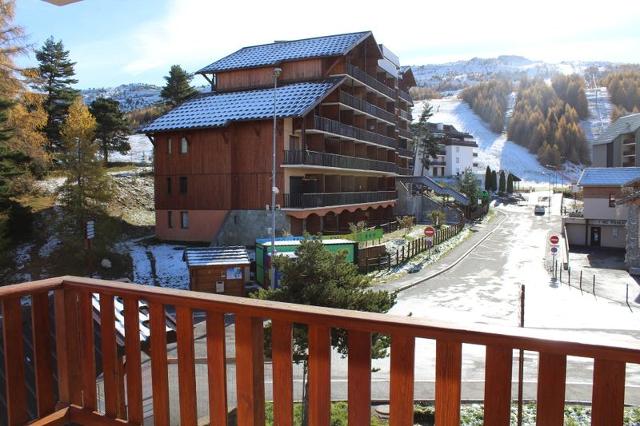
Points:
(602, 222)
(457, 152)
(342, 115)
(619, 144)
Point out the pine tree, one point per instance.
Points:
(469, 186)
(427, 144)
(502, 186)
(494, 181)
(112, 127)
(321, 278)
(87, 186)
(487, 179)
(510, 184)
(178, 87)
(57, 73)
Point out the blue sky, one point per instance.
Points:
(125, 41)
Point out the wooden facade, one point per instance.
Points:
(74, 375)
(344, 152)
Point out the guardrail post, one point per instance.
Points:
(594, 284)
(561, 275)
(627, 298)
(569, 273)
(580, 279)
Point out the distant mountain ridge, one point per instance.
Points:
(130, 96)
(456, 75)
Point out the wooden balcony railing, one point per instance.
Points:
(367, 107)
(327, 199)
(405, 115)
(337, 128)
(67, 393)
(404, 133)
(405, 152)
(335, 160)
(370, 81)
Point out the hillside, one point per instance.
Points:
(452, 76)
(130, 96)
(494, 149)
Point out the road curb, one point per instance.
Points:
(458, 260)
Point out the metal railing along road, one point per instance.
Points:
(327, 199)
(332, 126)
(367, 107)
(370, 81)
(335, 160)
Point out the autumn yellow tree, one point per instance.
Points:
(87, 187)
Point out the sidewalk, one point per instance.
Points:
(480, 232)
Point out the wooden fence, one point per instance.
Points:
(411, 249)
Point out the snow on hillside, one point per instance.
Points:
(141, 151)
(130, 96)
(494, 149)
(599, 112)
(456, 75)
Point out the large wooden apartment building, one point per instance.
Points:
(343, 112)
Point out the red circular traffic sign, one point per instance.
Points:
(554, 239)
(429, 231)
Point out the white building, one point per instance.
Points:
(457, 152)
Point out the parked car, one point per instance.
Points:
(538, 210)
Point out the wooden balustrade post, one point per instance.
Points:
(448, 382)
(67, 343)
(15, 381)
(250, 370)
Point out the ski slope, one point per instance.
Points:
(494, 150)
(599, 113)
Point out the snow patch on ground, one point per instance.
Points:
(23, 255)
(141, 151)
(47, 248)
(158, 264)
(494, 150)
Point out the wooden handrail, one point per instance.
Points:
(76, 370)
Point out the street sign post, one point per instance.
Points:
(429, 233)
(554, 239)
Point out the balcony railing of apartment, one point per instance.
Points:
(404, 95)
(367, 107)
(404, 133)
(71, 350)
(327, 199)
(332, 126)
(438, 163)
(405, 114)
(405, 171)
(404, 152)
(370, 81)
(335, 160)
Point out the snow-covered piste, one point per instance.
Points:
(599, 112)
(141, 151)
(494, 150)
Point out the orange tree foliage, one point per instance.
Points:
(544, 123)
(570, 88)
(624, 90)
(489, 101)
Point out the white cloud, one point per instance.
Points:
(196, 32)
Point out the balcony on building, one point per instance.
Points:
(52, 328)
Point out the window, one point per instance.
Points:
(457, 149)
(170, 219)
(169, 186)
(614, 232)
(183, 185)
(457, 160)
(612, 200)
(169, 143)
(184, 220)
(184, 146)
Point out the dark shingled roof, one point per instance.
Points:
(279, 51)
(207, 256)
(626, 124)
(608, 176)
(219, 109)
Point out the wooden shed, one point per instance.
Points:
(222, 270)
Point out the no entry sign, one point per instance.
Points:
(429, 231)
(554, 239)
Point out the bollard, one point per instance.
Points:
(594, 284)
(560, 274)
(580, 279)
(569, 276)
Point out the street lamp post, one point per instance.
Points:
(274, 188)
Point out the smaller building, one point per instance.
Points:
(619, 144)
(222, 270)
(603, 221)
(457, 152)
(288, 245)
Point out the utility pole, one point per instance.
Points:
(274, 187)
